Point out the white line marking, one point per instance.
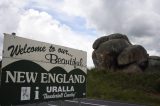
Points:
(51, 105)
(114, 102)
(85, 103)
(71, 101)
(93, 104)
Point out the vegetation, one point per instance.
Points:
(141, 88)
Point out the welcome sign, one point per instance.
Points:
(34, 71)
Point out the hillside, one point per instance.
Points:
(141, 88)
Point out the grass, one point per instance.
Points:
(141, 88)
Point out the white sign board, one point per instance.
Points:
(34, 71)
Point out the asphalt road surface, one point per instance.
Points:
(84, 102)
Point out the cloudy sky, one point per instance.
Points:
(77, 23)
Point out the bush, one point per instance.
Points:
(136, 87)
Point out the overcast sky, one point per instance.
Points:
(77, 23)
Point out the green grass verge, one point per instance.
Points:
(141, 88)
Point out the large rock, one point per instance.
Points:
(109, 37)
(99, 41)
(132, 68)
(95, 60)
(116, 53)
(134, 54)
(118, 36)
(113, 46)
(104, 57)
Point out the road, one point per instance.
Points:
(84, 102)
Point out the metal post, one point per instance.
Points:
(13, 33)
(60, 102)
(79, 102)
(36, 104)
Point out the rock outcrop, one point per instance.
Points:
(116, 53)
(153, 64)
(110, 37)
(107, 52)
(134, 54)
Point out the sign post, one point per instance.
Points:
(79, 102)
(34, 71)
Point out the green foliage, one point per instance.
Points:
(143, 88)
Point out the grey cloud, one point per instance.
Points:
(9, 18)
(140, 27)
(150, 43)
(133, 17)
